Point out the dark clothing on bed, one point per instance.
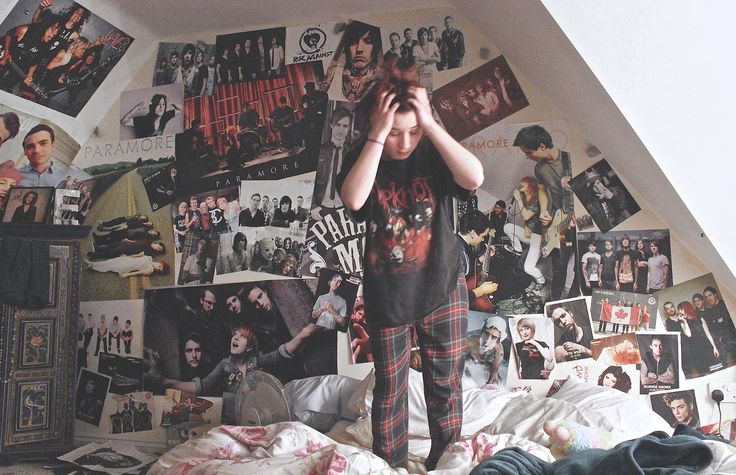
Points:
(654, 454)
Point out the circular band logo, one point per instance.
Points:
(312, 40)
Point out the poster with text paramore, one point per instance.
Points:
(57, 53)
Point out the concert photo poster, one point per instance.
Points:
(59, 54)
(604, 196)
(260, 130)
(644, 260)
(193, 64)
(308, 43)
(489, 351)
(697, 305)
(152, 111)
(479, 99)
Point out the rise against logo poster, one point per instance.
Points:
(310, 43)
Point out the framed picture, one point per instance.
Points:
(28, 205)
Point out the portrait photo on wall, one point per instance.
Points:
(360, 341)
(573, 332)
(133, 412)
(314, 42)
(533, 345)
(151, 112)
(250, 55)
(616, 350)
(66, 206)
(206, 214)
(626, 261)
(262, 130)
(676, 407)
(479, 99)
(193, 64)
(488, 351)
(624, 311)
(57, 53)
(161, 186)
(336, 293)
(604, 196)
(355, 63)
(126, 373)
(28, 205)
(218, 333)
(619, 377)
(91, 392)
(660, 363)
(48, 161)
(696, 310)
(112, 457)
(272, 250)
(198, 260)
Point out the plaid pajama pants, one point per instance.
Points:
(442, 340)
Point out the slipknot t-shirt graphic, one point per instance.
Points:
(403, 230)
(412, 257)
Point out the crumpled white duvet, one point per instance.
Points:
(294, 448)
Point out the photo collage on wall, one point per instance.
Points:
(220, 240)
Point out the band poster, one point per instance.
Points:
(58, 53)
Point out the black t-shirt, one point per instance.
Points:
(411, 253)
(608, 263)
(144, 125)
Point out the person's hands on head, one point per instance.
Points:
(419, 100)
(382, 117)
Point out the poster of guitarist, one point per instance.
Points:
(283, 121)
(552, 170)
(59, 54)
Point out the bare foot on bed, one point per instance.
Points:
(570, 437)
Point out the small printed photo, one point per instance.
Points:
(532, 337)
(696, 310)
(126, 373)
(66, 206)
(660, 368)
(179, 433)
(28, 205)
(604, 196)
(314, 42)
(624, 311)
(152, 111)
(360, 341)
(616, 350)
(109, 327)
(182, 407)
(584, 222)
(133, 413)
(489, 350)
(250, 55)
(274, 250)
(161, 186)
(677, 407)
(198, 260)
(112, 457)
(626, 261)
(284, 210)
(479, 99)
(91, 392)
(573, 333)
(193, 64)
(207, 214)
(619, 377)
(336, 293)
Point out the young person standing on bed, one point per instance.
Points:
(401, 181)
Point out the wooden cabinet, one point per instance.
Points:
(38, 357)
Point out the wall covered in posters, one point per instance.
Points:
(222, 159)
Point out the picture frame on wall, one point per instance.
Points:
(28, 205)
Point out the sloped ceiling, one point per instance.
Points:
(531, 38)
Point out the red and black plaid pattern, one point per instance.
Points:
(442, 339)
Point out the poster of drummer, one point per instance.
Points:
(259, 130)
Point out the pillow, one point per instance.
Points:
(320, 401)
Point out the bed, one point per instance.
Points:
(493, 420)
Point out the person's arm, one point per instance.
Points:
(359, 181)
(543, 197)
(136, 111)
(38, 13)
(585, 273)
(147, 271)
(666, 275)
(708, 335)
(647, 376)
(685, 327)
(466, 169)
(668, 377)
(615, 274)
(545, 351)
(504, 93)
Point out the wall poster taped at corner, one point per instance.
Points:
(57, 53)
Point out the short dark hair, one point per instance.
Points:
(407, 29)
(501, 203)
(154, 102)
(190, 48)
(174, 53)
(285, 200)
(194, 336)
(282, 99)
(532, 137)
(39, 128)
(12, 123)
(476, 221)
(685, 396)
(394, 34)
(710, 289)
(340, 113)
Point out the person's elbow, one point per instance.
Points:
(473, 181)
